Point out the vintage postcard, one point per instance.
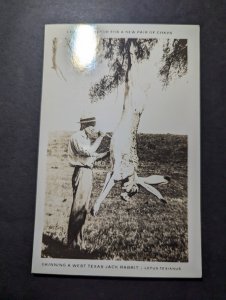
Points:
(118, 187)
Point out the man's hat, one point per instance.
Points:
(87, 120)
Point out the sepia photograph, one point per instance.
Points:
(118, 178)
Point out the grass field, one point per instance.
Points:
(142, 229)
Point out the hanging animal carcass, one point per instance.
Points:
(124, 159)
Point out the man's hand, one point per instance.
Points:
(102, 134)
(90, 163)
(102, 155)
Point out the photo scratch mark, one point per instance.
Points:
(54, 64)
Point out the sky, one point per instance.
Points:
(65, 91)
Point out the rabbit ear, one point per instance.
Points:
(150, 189)
(156, 179)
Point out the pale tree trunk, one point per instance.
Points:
(124, 143)
(124, 140)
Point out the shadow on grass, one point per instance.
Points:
(56, 249)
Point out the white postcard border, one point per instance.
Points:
(191, 269)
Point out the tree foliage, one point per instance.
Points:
(174, 60)
(118, 53)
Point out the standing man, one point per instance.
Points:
(82, 155)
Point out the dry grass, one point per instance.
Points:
(142, 229)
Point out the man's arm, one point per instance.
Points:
(85, 150)
(102, 155)
(95, 145)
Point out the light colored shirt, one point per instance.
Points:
(81, 152)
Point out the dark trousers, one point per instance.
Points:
(82, 181)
